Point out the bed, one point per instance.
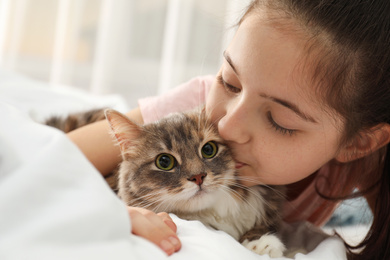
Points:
(55, 205)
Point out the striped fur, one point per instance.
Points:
(77, 120)
(220, 201)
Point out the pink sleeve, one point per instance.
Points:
(184, 97)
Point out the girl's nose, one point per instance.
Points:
(234, 126)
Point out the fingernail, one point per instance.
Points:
(174, 241)
(167, 246)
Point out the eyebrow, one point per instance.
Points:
(292, 107)
(229, 60)
(282, 102)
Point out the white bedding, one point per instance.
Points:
(55, 205)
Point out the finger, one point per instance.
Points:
(168, 220)
(160, 220)
(151, 227)
(163, 216)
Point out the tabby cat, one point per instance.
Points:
(181, 165)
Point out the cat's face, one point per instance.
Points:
(177, 164)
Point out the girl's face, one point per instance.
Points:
(270, 118)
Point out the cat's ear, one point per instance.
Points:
(124, 130)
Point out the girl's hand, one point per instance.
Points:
(157, 228)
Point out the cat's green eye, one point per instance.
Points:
(165, 162)
(209, 150)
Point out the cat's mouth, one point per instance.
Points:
(200, 192)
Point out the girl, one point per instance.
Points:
(302, 99)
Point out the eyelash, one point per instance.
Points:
(278, 128)
(272, 122)
(227, 86)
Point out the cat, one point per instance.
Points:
(181, 165)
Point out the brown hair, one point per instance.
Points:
(352, 74)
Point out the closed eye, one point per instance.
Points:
(279, 128)
(227, 86)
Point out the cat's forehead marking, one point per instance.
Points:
(181, 135)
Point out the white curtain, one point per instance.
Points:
(133, 47)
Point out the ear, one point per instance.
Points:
(124, 130)
(365, 142)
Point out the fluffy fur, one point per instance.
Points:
(220, 201)
(197, 187)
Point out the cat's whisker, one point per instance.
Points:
(211, 112)
(230, 190)
(233, 184)
(154, 205)
(145, 202)
(227, 190)
(255, 194)
(164, 206)
(252, 179)
(244, 200)
(228, 184)
(165, 203)
(232, 181)
(156, 208)
(241, 197)
(154, 189)
(216, 120)
(146, 197)
(171, 205)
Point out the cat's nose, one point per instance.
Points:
(198, 178)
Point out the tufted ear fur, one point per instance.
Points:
(124, 130)
(364, 143)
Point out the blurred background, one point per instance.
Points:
(132, 47)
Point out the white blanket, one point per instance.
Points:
(55, 205)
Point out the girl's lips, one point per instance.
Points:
(240, 165)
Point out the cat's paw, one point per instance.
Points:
(267, 244)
